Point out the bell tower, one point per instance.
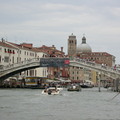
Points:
(72, 45)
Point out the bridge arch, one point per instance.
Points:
(13, 69)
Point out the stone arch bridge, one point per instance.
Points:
(13, 69)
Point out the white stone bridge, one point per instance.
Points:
(13, 69)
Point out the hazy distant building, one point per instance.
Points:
(84, 51)
(83, 47)
(72, 45)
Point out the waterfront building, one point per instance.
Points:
(15, 53)
(11, 53)
(76, 74)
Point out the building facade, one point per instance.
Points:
(55, 72)
(15, 53)
(11, 53)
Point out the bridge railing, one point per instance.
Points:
(81, 61)
(97, 66)
(22, 63)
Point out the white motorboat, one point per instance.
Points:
(51, 91)
(74, 88)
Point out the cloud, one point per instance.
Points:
(51, 22)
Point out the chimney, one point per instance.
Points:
(53, 47)
(3, 40)
(61, 49)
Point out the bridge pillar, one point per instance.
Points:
(1, 83)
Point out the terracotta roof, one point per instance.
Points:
(27, 46)
(6, 45)
(50, 50)
(96, 54)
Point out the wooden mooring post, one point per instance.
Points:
(116, 85)
(99, 82)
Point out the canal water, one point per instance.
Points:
(30, 104)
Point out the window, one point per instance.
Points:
(6, 59)
(35, 72)
(31, 54)
(17, 59)
(13, 52)
(13, 59)
(43, 72)
(5, 50)
(27, 73)
(8, 51)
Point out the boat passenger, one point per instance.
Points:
(74, 87)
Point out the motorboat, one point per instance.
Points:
(87, 84)
(74, 88)
(59, 87)
(51, 91)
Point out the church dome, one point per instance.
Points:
(83, 47)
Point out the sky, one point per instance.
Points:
(51, 22)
